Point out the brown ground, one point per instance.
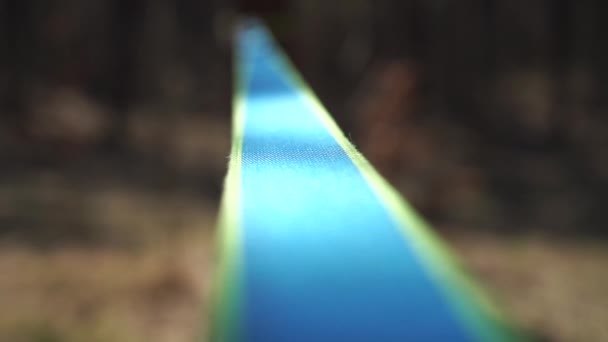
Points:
(555, 289)
(152, 290)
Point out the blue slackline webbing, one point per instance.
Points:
(317, 251)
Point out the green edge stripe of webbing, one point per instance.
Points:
(227, 282)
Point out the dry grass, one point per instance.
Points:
(72, 294)
(555, 288)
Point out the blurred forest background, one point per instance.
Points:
(487, 115)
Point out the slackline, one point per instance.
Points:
(314, 244)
